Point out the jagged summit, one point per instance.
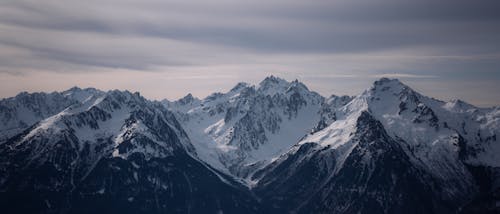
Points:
(76, 89)
(239, 86)
(248, 124)
(81, 95)
(272, 85)
(120, 149)
(386, 80)
(273, 80)
(297, 86)
(118, 116)
(389, 85)
(25, 109)
(189, 98)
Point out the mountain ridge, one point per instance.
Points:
(273, 147)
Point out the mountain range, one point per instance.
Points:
(274, 147)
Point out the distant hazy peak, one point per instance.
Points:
(239, 86)
(81, 95)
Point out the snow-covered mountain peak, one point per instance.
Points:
(388, 87)
(120, 121)
(25, 109)
(392, 97)
(299, 88)
(76, 89)
(250, 124)
(415, 126)
(183, 104)
(388, 91)
(299, 85)
(240, 86)
(81, 95)
(272, 85)
(291, 145)
(294, 93)
(273, 80)
(384, 81)
(189, 98)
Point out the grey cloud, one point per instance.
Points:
(336, 39)
(281, 26)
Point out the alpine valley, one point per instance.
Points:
(274, 147)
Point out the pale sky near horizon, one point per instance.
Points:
(448, 49)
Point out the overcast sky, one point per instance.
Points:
(165, 49)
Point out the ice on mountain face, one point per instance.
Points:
(337, 136)
(250, 125)
(340, 131)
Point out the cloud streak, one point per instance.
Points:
(192, 40)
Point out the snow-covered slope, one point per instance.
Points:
(436, 129)
(439, 144)
(116, 152)
(250, 125)
(115, 117)
(431, 130)
(22, 111)
(388, 150)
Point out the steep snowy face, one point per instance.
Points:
(367, 172)
(273, 85)
(437, 130)
(117, 152)
(19, 112)
(411, 119)
(409, 116)
(420, 125)
(119, 123)
(389, 136)
(328, 111)
(239, 130)
(387, 133)
(478, 128)
(22, 111)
